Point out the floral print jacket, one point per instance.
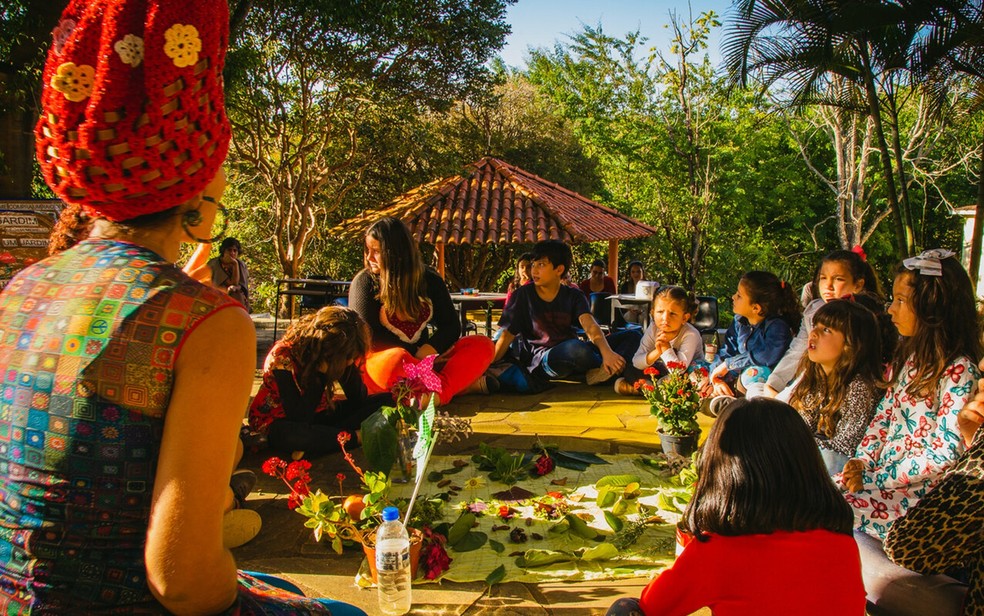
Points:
(908, 445)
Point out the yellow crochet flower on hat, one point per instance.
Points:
(181, 44)
(130, 49)
(75, 82)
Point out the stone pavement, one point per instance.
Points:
(572, 415)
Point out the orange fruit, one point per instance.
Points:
(353, 506)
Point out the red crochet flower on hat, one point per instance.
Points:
(132, 119)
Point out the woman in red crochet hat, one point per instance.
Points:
(116, 446)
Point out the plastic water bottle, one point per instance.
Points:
(393, 564)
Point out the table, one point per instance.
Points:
(315, 288)
(624, 301)
(488, 301)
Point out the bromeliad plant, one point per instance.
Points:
(675, 398)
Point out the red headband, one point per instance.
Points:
(132, 115)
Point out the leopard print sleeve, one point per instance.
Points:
(944, 528)
(855, 414)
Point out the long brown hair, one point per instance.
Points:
(402, 286)
(947, 326)
(760, 472)
(775, 296)
(333, 335)
(862, 357)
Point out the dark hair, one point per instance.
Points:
(859, 268)
(862, 357)
(230, 242)
(761, 471)
(774, 296)
(334, 334)
(73, 226)
(947, 326)
(402, 286)
(555, 251)
(598, 263)
(679, 295)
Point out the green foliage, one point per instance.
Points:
(503, 466)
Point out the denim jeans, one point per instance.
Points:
(577, 356)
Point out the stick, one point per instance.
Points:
(420, 477)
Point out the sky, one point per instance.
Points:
(541, 23)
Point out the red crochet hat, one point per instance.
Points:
(132, 114)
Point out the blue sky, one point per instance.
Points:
(539, 23)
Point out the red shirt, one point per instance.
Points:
(812, 573)
(608, 286)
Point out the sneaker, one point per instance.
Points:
(712, 407)
(240, 526)
(596, 375)
(488, 384)
(625, 388)
(242, 483)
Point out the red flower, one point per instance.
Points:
(679, 392)
(340, 477)
(650, 371)
(435, 558)
(301, 488)
(298, 470)
(647, 387)
(505, 512)
(544, 464)
(675, 365)
(344, 437)
(271, 466)
(555, 495)
(294, 501)
(638, 384)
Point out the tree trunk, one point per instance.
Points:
(903, 235)
(975, 242)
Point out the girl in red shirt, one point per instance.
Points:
(772, 534)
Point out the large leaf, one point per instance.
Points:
(497, 546)
(379, 443)
(514, 493)
(461, 527)
(614, 522)
(602, 551)
(619, 481)
(570, 464)
(496, 576)
(580, 456)
(542, 558)
(471, 541)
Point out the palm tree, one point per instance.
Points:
(954, 49)
(803, 46)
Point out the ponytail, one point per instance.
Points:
(775, 296)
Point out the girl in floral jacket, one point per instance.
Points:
(913, 437)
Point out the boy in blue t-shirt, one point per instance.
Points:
(538, 325)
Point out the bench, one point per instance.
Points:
(314, 293)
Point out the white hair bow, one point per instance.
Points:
(928, 261)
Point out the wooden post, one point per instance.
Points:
(439, 248)
(613, 260)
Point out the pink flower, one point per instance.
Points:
(421, 375)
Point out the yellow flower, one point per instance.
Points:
(131, 50)
(75, 82)
(181, 44)
(474, 483)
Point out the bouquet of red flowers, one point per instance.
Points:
(675, 398)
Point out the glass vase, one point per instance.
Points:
(406, 440)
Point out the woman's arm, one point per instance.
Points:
(857, 409)
(445, 319)
(213, 377)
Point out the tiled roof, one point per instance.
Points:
(499, 203)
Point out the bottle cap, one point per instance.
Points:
(390, 514)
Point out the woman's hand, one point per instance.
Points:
(971, 417)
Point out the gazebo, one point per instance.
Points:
(495, 202)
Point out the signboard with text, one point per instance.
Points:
(25, 227)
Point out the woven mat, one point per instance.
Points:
(652, 552)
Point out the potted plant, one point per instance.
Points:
(354, 517)
(674, 400)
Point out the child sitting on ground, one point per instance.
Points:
(669, 338)
(914, 436)
(767, 317)
(841, 378)
(296, 406)
(771, 534)
(539, 324)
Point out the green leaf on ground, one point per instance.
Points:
(602, 551)
(461, 527)
(618, 481)
(496, 576)
(581, 456)
(497, 546)
(471, 541)
(542, 558)
(614, 522)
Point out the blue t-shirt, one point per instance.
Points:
(539, 325)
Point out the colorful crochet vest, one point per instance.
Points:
(88, 344)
